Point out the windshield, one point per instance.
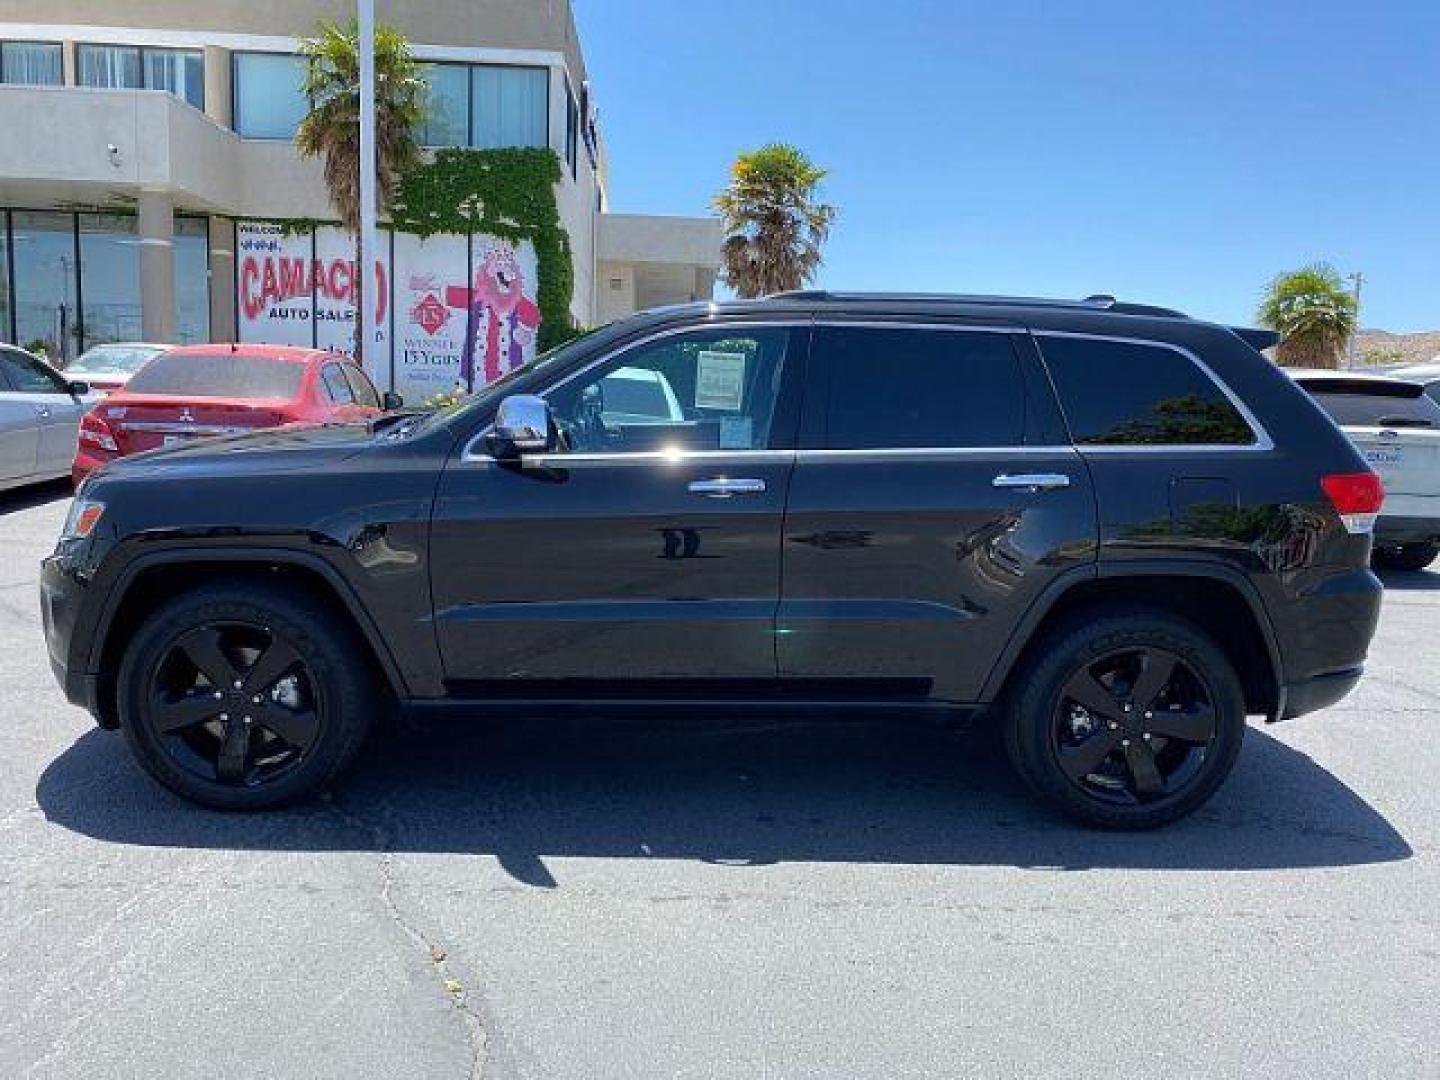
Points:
(229, 375)
(114, 359)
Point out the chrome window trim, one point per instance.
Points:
(470, 455)
(1263, 442)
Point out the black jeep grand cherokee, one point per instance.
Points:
(1111, 529)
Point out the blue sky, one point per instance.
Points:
(1174, 151)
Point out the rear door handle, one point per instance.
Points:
(1036, 481)
(721, 488)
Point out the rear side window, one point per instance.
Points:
(1118, 393)
(337, 387)
(229, 375)
(1364, 403)
(911, 387)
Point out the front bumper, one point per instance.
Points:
(1317, 692)
(62, 592)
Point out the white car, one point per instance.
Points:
(109, 367)
(40, 412)
(1396, 425)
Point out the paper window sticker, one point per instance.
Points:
(720, 381)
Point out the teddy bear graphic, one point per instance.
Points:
(501, 322)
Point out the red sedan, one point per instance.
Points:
(202, 390)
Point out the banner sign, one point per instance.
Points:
(464, 310)
(334, 281)
(273, 304)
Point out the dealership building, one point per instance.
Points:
(150, 188)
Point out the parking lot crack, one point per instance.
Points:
(459, 996)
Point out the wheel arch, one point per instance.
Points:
(1218, 599)
(158, 575)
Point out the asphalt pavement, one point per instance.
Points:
(675, 900)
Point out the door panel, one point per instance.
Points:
(647, 545)
(19, 436)
(59, 429)
(937, 500)
(603, 570)
(913, 569)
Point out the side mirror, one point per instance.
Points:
(391, 401)
(78, 388)
(522, 425)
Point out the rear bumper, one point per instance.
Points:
(1407, 529)
(1317, 692)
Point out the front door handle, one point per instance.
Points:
(42, 411)
(1038, 481)
(721, 488)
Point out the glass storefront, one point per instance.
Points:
(47, 316)
(192, 280)
(74, 281)
(109, 279)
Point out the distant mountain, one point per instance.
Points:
(1396, 348)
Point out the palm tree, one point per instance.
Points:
(331, 129)
(774, 227)
(1314, 314)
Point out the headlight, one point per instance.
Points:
(84, 515)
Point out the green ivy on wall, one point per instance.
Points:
(506, 193)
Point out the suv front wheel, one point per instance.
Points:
(1126, 719)
(243, 697)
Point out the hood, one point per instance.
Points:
(289, 448)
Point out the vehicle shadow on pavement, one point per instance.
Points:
(1410, 581)
(28, 498)
(791, 793)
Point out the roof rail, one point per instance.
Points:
(1097, 302)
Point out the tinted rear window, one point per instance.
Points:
(1118, 393)
(1367, 404)
(230, 375)
(910, 387)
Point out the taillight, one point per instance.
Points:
(96, 432)
(1357, 497)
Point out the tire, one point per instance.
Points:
(1052, 738)
(294, 737)
(1406, 557)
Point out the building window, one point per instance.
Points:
(46, 314)
(31, 63)
(447, 122)
(509, 106)
(269, 95)
(192, 280)
(109, 279)
(7, 324)
(572, 131)
(128, 67)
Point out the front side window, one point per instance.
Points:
(269, 96)
(915, 387)
(705, 390)
(361, 387)
(31, 63)
(1119, 393)
(509, 106)
(28, 375)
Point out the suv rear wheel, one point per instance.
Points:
(1126, 719)
(243, 697)
(1404, 557)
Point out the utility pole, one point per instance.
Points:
(1357, 279)
(365, 294)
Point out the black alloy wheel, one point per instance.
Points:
(235, 703)
(246, 695)
(1125, 718)
(1133, 725)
